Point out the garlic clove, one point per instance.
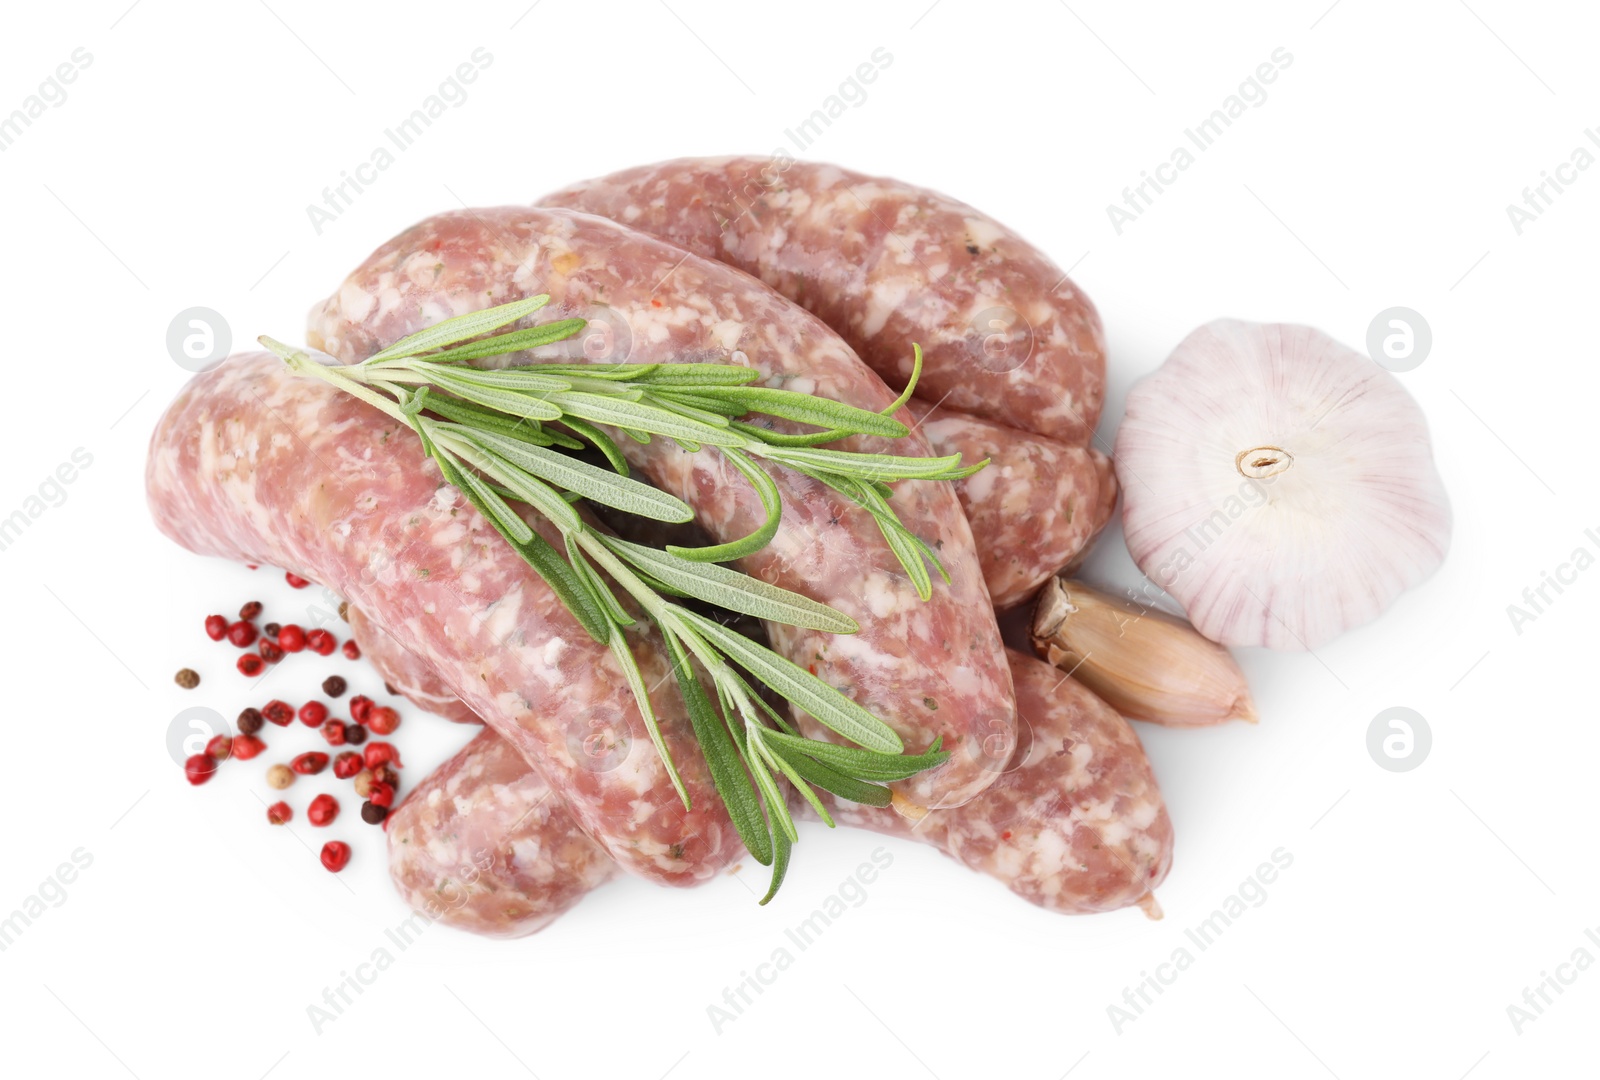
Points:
(1278, 484)
(1144, 663)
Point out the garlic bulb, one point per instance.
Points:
(1278, 484)
(1142, 662)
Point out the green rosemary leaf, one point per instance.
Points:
(515, 341)
(722, 756)
(641, 695)
(484, 419)
(596, 584)
(797, 685)
(608, 372)
(514, 404)
(530, 489)
(911, 384)
(601, 485)
(505, 518)
(771, 794)
(780, 864)
(864, 466)
(806, 409)
(635, 416)
(704, 402)
(459, 328)
(602, 442)
(771, 502)
(690, 375)
(732, 590)
(832, 780)
(676, 404)
(502, 379)
(757, 736)
(863, 764)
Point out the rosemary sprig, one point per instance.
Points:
(488, 432)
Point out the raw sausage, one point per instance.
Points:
(255, 464)
(387, 655)
(1005, 334)
(929, 669)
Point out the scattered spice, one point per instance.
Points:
(295, 580)
(364, 782)
(333, 732)
(351, 650)
(269, 651)
(347, 764)
(335, 855)
(246, 747)
(334, 686)
(251, 665)
(383, 720)
(360, 707)
(279, 777)
(309, 763)
(279, 813)
(381, 753)
(291, 638)
(322, 811)
(188, 678)
(344, 611)
(313, 713)
(354, 734)
(216, 627)
(381, 794)
(279, 712)
(249, 722)
(271, 629)
(242, 634)
(373, 814)
(250, 610)
(199, 768)
(220, 747)
(385, 774)
(321, 642)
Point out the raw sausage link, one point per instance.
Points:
(928, 669)
(1076, 825)
(485, 846)
(1033, 510)
(1005, 334)
(388, 656)
(255, 464)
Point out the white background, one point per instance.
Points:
(1419, 905)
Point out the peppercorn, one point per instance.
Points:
(269, 651)
(363, 782)
(321, 642)
(385, 774)
(279, 712)
(295, 580)
(323, 809)
(373, 814)
(251, 665)
(242, 634)
(335, 855)
(333, 732)
(271, 629)
(249, 722)
(246, 747)
(199, 768)
(309, 763)
(188, 678)
(279, 813)
(383, 720)
(388, 688)
(250, 610)
(280, 777)
(360, 707)
(381, 753)
(347, 764)
(220, 747)
(354, 734)
(313, 713)
(351, 650)
(291, 638)
(334, 686)
(381, 794)
(344, 611)
(216, 627)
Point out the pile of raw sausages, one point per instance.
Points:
(1046, 788)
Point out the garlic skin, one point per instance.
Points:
(1278, 484)
(1144, 663)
